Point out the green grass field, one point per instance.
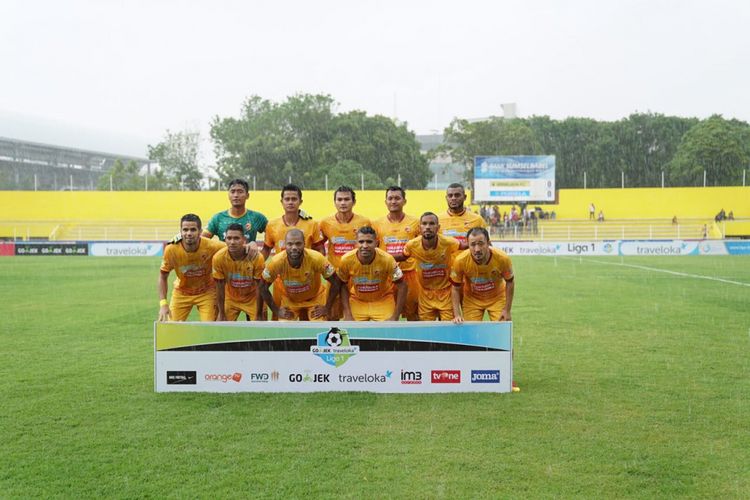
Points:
(635, 383)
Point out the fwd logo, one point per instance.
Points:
(446, 376)
(411, 377)
(485, 376)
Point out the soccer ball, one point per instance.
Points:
(333, 338)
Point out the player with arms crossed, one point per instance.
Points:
(252, 222)
(433, 254)
(394, 230)
(303, 296)
(366, 277)
(191, 258)
(484, 276)
(237, 277)
(340, 230)
(458, 220)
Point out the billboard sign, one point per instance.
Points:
(503, 179)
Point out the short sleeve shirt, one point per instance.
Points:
(193, 269)
(433, 265)
(456, 226)
(299, 284)
(482, 282)
(241, 276)
(369, 282)
(252, 223)
(394, 235)
(276, 233)
(341, 236)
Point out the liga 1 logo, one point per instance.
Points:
(334, 347)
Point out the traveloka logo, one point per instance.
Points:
(367, 378)
(485, 376)
(334, 347)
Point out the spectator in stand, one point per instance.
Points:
(674, 220)
(601, 216)
(705, 231)
(553, 215)
(592, 211)
(731, 215)
(721, 216)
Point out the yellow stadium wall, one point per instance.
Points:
(151, 206)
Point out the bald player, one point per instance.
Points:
(393, 231)
(340, 231)
(457, 220)
(433, 254)
(190, 258)
(301, 272)
(483, 281)
(293, 218)
(367, 277)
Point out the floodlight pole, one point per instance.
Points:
(662, 179)
(326, 182)
(35, 181)
(704, 178)
(622, 178)
(584, 179)
(362, 180)
(744, 172)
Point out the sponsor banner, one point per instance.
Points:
(126, 249)
(624, 247)
(7, 249)
(551, 248)
(738, 247)
(51, 248)
(514, 178)
(340, 356)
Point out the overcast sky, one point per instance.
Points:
(130, 70)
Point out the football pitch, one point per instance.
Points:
(634, 376)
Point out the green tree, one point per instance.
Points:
(122, 177)
(303, 138)
(177, 156)
(717, 146)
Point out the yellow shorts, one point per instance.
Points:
(181, 305)
(435, 304)
(304, 311)
(233, 308)
(474, 311)
(378, 310)
(413, 290)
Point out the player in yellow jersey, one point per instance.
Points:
(340, 231)
(367, 276)
(301, 271)
(457, 221)
(393, 231)
(237, 277)
(190, 257)
(484, 276)
(276, 229)
(433, 254)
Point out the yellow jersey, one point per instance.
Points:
(341, 236)
(241, 275)
(433, 265)
(456, 226)
(193, 269)
(276, 233)
(303, 283)
(369, 282)
(394, 235)
(484, 283)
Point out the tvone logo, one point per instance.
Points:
(446, 376)
(411, 377)
(222, 377)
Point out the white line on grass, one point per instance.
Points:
(676, 273)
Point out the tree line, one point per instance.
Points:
(304, 138)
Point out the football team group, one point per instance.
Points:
(435, 267)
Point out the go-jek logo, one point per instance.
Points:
(334, 347)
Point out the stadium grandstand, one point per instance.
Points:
(32, 166)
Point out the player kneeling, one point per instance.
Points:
(237, 277)
(303, 296)
(366, 277)
(484, 276)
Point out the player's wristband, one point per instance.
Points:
(162, 302)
